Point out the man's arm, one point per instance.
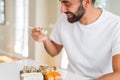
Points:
(115, 75)
(51, 47)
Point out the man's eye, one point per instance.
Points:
(68, 4)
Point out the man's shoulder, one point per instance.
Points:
(111, 15)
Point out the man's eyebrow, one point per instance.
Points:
(64, 1)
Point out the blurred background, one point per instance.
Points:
(16, 42)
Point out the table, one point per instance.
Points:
(10, 70)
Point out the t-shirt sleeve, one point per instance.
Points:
(116, 41)
(56, 32)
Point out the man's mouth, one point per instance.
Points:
(69, 15)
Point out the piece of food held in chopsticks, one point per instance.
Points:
(42, 29)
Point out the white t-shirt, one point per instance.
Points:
(89, 47)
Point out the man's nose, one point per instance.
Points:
(63, 9)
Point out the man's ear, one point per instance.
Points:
(86, 3)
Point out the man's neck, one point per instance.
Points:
(91, 16)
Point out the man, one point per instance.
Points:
(91, 38)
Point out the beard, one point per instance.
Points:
(74, 17)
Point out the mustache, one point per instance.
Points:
(69, 13)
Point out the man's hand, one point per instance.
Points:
(38, 35)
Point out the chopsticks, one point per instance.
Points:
(42, 30)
